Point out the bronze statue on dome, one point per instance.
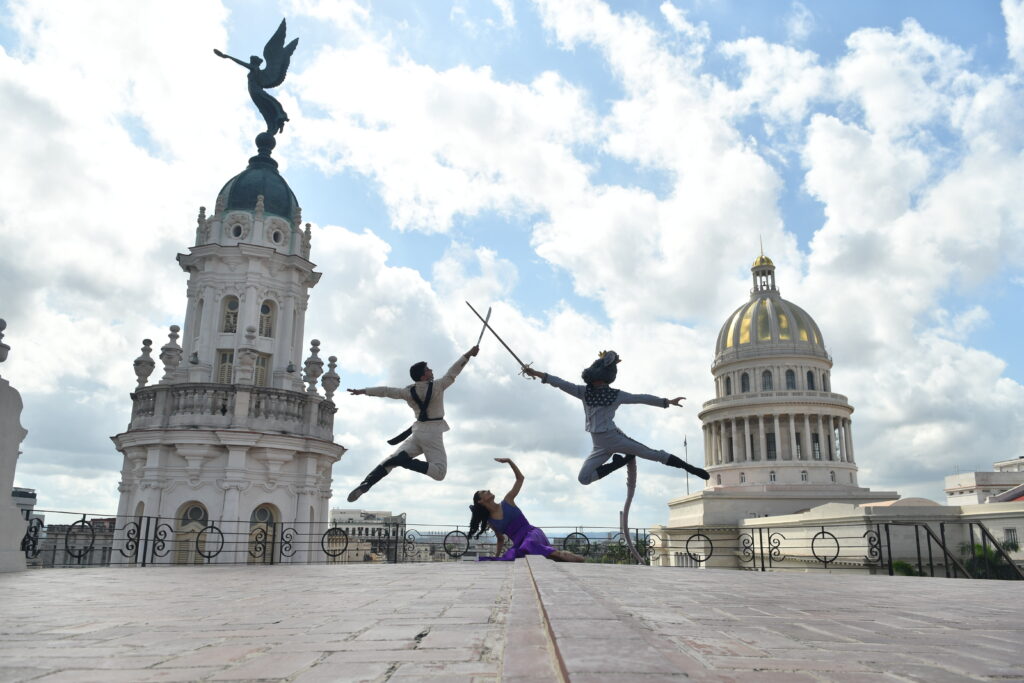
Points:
(278, 56)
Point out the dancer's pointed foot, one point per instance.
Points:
(674, 461)
(617, 461)
(375, 475)
(356, 492)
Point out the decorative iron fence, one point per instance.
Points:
(948, 549)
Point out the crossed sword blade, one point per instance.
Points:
(484, 328)
(496, 335)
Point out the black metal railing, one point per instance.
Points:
(951, 549)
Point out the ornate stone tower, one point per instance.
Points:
(229, 451)
(230, 433)
(776, 438)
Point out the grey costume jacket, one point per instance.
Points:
(600, 404)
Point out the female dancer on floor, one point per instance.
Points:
(505, 519)
(600, 402)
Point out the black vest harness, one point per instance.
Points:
(422, 417)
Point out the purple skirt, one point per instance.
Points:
(533, 543)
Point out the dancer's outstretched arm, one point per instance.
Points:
(401, 393)
(575, 390)
(650, 400)
(500, 543)
(510, 497)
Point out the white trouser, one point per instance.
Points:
(430, 444)
(607, 444)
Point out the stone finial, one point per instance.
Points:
(307, 239)
(202, 227)
(331, 380)
(144, 364)
(250, 335)
(297, 217)
(314, 366)
(4, 348)
(170, 355)
(259, 207)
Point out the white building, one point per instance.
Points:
(777, 439)
(969, 488)
(234, 434)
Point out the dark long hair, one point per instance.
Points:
(478, 522)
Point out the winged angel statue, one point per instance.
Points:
(278, 56)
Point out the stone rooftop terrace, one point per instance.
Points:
(531, 620)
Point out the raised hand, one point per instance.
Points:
(356, 392)
(678, 401)
(505, 461)
(533, 373)
(473, 351)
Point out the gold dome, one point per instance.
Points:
(762, 260)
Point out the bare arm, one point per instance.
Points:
(510, 497)
(383, 392)
(236, 61)
(500, 543)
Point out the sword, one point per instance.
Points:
(498, 337)
(484, 328)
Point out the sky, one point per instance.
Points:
(601, 173)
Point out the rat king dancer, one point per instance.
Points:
(599, 404)
(426, 398)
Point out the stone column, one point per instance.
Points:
(721, 441)
(762, 442)
(807, 447)
(827, 428)
(842, 440)
(707, 446)
(778, 438)
(12, 524)
(747, 455)
(792, 436)
(735, 441)
(849, 439)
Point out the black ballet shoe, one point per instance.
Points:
(617, 461)
(674, 461)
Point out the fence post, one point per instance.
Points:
(917, 542)
(945, 560)
(144, 541)
(888, 547)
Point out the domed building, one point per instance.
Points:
(777, 439)
(229, 453)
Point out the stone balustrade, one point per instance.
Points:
(793, 395)
(232, 406)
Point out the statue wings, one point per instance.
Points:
(276, 56)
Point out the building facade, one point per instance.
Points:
(777, 438)
(234, 435)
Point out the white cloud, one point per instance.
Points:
(1013, 13)
(800, 23)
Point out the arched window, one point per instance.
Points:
(810, 381)
(267, 319)
(728, 386)
(192, 519)
(824, 382)
(261, 535)
(771, 476)
(790, 379)
(803, 475)
(744, 383)
(229, 319)
(743, 477)
(832, 476)
(766, 380)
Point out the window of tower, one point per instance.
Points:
(277, 237)
(718, 479)
(743, 477)
(236, 231)
(851, 477)
(225, 365)
(744, 383)
(799, 448)
(816, 446)
(267, 319)
(832, 476)
(230, 318)
(790, 379)
(261, 370)
(803, 475)
(766, 380)
(824, 382)
(771, 476)
(728, 386)
(810, 380)
(188, 543)
(261, 534)
(769, 442)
